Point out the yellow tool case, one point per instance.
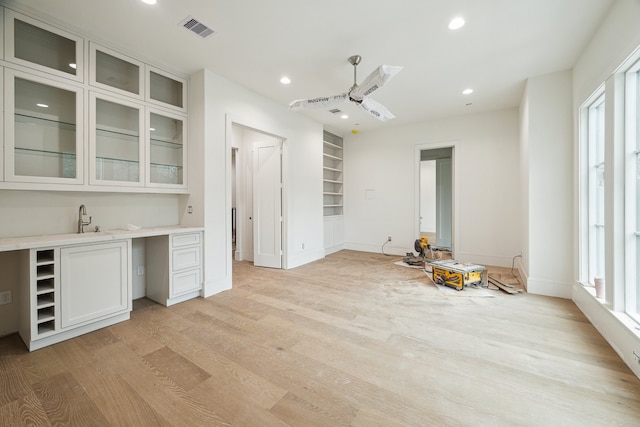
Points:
(457, 275)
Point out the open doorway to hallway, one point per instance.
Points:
(257, 220)
(436, 196)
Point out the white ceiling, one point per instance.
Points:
(257, 41)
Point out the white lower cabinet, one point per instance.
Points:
(93, 282)
(182, 280)
(333, 234)
(72, 290)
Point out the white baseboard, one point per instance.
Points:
(388, 249)
(213, 287)
(495, 260)
(550, 288)
(303, 258)
(333, 249)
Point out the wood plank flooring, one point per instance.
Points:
(350, 340)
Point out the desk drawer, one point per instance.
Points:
(182, 259)
(178, 240)
(186, 281)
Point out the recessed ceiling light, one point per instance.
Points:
(149, 1)
(285, 80)
(152, 129)
(456, 23)
(42, 105)
(467, 91)
(344, 116)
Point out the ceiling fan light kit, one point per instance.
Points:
(358, 94)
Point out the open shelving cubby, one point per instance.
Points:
(332, 195)
(45, 292)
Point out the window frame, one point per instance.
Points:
(589, 111)
(631, 289)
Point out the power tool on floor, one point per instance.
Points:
(419, 245)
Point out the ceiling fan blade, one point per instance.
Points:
(378, 78)
(320, 102)
(376, 109)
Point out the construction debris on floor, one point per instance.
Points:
(510, 289)
(451, 273)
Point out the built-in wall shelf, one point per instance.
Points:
(332, 175)
(332, 157)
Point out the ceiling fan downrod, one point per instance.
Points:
(354, 60)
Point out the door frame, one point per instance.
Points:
(454, 199)
(230, 121)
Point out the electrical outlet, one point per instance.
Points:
(141, 270)
(5, 297)
(389, 239)
(189, 209)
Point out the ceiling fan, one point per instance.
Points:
(357, 93)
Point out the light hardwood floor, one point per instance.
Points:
(349, 340)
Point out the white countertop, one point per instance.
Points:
(30, 242)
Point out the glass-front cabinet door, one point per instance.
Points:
(116, 141)
(167, 153)
(35, 44)
(43, 130)
(166, 90)
(116, 72)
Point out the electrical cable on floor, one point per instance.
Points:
(382, 249)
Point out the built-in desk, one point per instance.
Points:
(71, 284)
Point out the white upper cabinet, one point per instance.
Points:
(166, 90)
(116, 141)
(167, 152)
(43, 130)
(81, 116)
(40, 46)
(116, 72)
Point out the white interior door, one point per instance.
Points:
(267, 204)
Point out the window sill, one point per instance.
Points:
(627, 321)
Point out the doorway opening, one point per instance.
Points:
(436, 197)
(256, 200)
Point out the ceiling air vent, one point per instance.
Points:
(197, 27)
(335, 111)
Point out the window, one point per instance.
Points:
(593, 144)
(632, 194)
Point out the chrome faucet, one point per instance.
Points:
(82, 211)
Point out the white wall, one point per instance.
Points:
(549, 226)
(383, 165)
(30, 213)
(616, 39)
(224, 103)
